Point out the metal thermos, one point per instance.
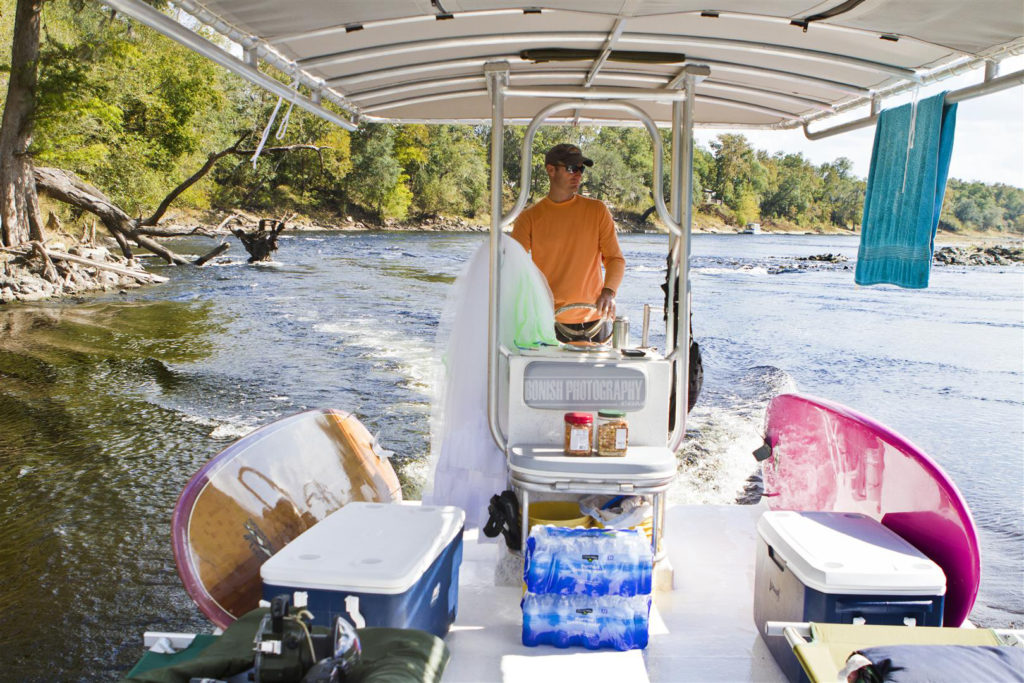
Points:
(620, 332)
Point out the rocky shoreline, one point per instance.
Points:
(998, 255)
(37, 273)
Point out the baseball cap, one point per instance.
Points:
(566, 155)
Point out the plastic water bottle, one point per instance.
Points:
(588, 621)
(587, 562)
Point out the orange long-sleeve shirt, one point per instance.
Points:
(569, 241)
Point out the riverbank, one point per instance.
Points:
(56, 270)
(67, 268)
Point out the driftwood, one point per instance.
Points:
(50, 255)
(49, 272)
(261, 243)
(217, 251)
(140, 275)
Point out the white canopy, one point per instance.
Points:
(767, 65)
(771, 64)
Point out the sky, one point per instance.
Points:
(988, 146)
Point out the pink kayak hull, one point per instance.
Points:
(828, 457)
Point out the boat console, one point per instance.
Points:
(540, 386)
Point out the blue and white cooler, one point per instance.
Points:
(840, 568)
(376, 564)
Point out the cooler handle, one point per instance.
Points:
(883, 607)
(779, 562)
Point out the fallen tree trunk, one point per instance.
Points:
(68, 187)
(220, 249)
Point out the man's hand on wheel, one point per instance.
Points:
(606, 303)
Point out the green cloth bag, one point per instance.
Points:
(389, 655)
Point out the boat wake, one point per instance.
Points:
(716, 465)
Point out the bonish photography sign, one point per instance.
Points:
(583, 386)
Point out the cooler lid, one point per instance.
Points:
(845, 552)
(366, 548)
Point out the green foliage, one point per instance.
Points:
(747, 210)
(623, 167)
(738, 172)
(378, 180)
(841, 195)
(129, 111)
(450, 175)
(977, 206)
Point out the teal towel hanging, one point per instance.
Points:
(909, 165)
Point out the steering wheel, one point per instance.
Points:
(589, 331)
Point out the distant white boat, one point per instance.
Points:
(752, 229)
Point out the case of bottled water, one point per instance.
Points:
(587, 562)
(590, 621)
(587, 587)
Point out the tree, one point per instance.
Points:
(19, 206)
(841, 196)
(738, 172)
(453, 174)
(377, 179)
(623, 169)
(793, 184)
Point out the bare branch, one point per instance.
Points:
(49, 272)
(171, 232)
(282, 148)
(224, 223)
(217, 251)
(210, 161)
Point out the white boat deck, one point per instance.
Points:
(701, 630)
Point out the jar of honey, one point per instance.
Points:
(579, 433)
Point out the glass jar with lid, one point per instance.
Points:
(612, 433)
(579, 433)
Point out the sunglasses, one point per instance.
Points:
(573, 168)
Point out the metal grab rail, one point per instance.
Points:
(679, 239)
(526, 165)
(987, 87)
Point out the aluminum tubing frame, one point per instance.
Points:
(679, 231)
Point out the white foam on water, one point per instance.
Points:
(414, 357)
(220, 429)
(232, 430)
(331, 328)
(416, 475)
(740, 270)
(198, 420)
(716, 460)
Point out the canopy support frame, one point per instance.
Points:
(679, 219)
(991, 84)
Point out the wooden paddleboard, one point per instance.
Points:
(262, 491)
(828, 457)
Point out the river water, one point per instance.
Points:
(108, 405)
